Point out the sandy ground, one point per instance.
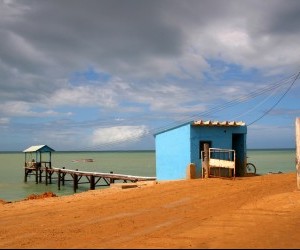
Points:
(248, 212)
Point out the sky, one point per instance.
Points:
(109, 74)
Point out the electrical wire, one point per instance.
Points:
(213, 110)
(268, 111)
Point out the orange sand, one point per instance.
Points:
(248, 212)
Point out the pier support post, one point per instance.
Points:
(40, 174)
(63, 178)
(75, 182)
(36, 175)
(46, 176)
(92, 182)
(25, 175)
(50, 177)
(111, 180)
(59, 179)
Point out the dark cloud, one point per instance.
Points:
(55, 37)
(163, 56)
(74, 33)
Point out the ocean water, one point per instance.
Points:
(141, 163)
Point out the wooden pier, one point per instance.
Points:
(45, 174)
(38, 164)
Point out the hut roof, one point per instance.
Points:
(207, 123)
(218, 123)
(39, 148)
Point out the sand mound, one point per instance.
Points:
(3, 201)
(40, 196)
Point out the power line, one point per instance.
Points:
(213, 110)
(236, 101)
(268, 111)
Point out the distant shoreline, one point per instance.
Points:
(140, 151)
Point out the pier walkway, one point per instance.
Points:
(92, 178)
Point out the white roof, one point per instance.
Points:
(219, 123)
(38, 148)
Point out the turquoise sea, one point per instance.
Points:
(141, 163)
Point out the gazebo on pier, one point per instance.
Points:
(37, 158)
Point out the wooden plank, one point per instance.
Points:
(221, 163)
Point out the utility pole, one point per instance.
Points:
(297, 125)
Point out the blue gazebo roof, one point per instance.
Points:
(39, 148)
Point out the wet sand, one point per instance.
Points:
(248, 212)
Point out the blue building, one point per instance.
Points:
(177, 147)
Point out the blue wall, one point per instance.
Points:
(178, 147)
(221, 137)
(172, 153)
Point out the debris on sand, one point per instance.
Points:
(3, 201)
(40, 196)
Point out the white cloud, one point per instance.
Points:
(84, 96)
(23, 109)
(118, 134)
(4, 121)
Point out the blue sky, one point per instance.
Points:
(107, 75)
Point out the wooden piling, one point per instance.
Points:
(111, 180)
(25, 175)
(63, 178)
(92, 182)
(46, 176)
(75, 182)
(59, 179)
(40, 174)
(36, 175)
(50, 177)
(206, 160)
